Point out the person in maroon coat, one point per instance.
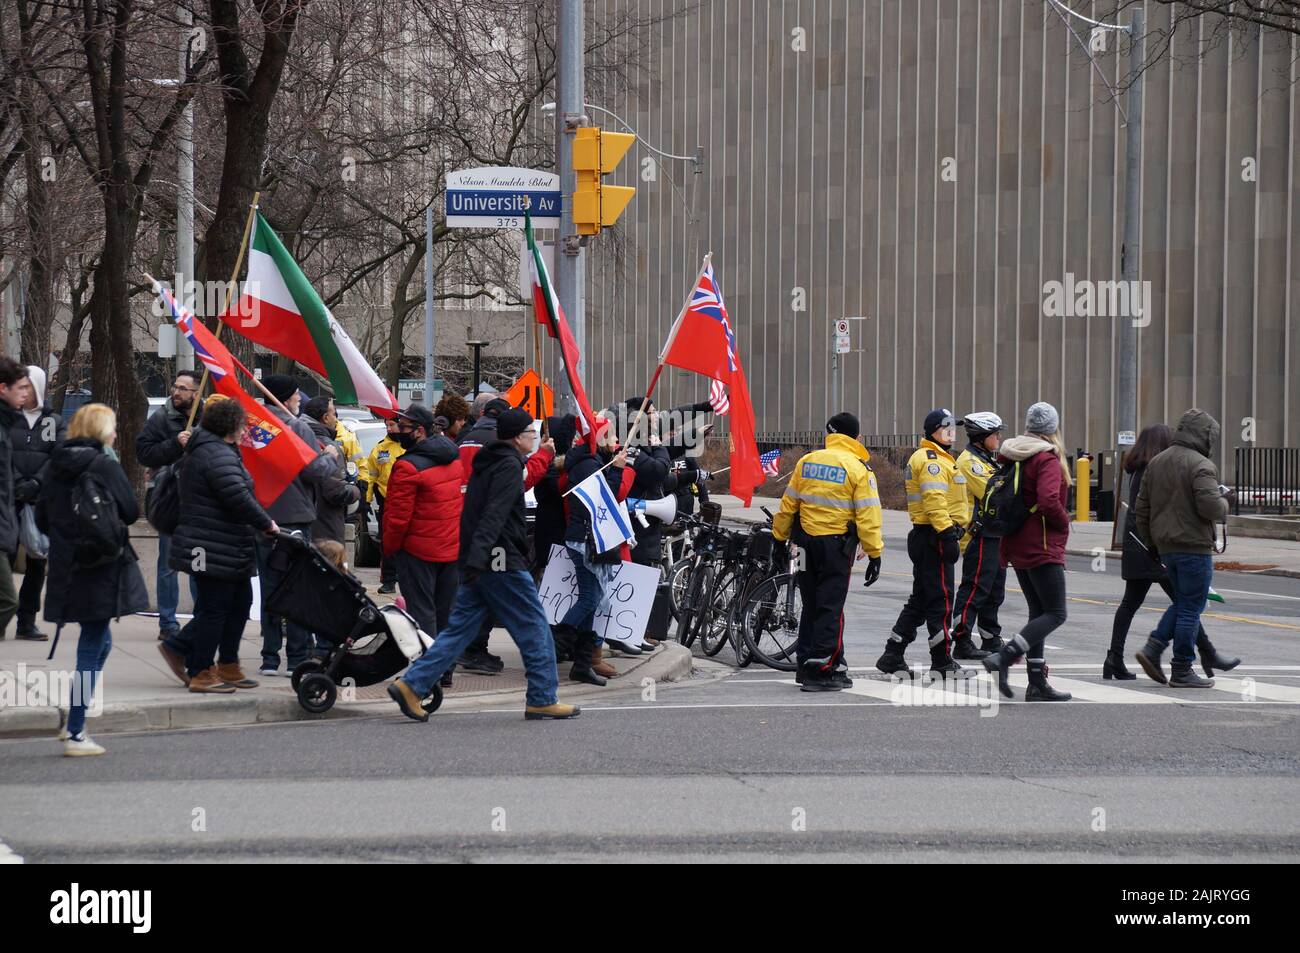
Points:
(422, 518)
(1037, 549)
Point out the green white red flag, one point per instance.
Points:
(280, 310)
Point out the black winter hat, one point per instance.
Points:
(511, 423)
(496, 407)
(562, 428)
(281, 386)
(844, 423)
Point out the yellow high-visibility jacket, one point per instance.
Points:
(351, 448)
(977, 470)
(936, 488)
(831, 490)
(380, 466)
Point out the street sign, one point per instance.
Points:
(1127, 438)
(841, 327)
(496, 197)
(532, 395)
(842, 341)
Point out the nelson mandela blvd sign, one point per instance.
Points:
(495, 197)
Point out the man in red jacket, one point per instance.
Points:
(422, 518)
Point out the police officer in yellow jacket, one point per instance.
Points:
(378, 469)
(830, 507)
(983, 577)
(937, 505)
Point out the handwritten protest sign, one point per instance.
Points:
(631, 595)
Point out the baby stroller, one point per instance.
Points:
(368, 643)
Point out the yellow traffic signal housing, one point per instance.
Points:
(597, 153)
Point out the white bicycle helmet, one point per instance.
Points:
(982, 423)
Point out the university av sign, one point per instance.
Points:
(496, 197)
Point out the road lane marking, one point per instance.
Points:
(1237, 686)
(7, 856)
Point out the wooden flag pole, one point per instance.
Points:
(230, 290)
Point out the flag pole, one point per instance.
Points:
(230, 289)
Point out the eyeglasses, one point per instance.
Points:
(183, 390)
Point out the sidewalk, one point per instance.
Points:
(1269, 557)
(140, 693)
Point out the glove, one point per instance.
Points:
(873, 571)
(27, 490)
(951, 549)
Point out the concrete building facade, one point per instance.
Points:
(933, 167)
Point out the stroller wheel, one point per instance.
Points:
(317, 693)
(305, 669)
(433, 701)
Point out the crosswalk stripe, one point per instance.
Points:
(1240, 688)
(1105, 694)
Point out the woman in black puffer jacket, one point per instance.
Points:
(92, 595)
(214, 544)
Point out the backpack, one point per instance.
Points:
(99, 529)
(1002, 510)
(163, 508)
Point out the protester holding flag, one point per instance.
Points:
(595, 533)
(494, 578)
(653, 479)
(214, 543)
(336, 494)
(160, 443)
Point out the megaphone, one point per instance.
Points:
(664, 510)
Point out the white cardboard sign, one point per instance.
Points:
(631, 596)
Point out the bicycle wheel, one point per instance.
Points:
(693, 604)
(712, 622)
(678, 579)
(770, 622)
(734, 623)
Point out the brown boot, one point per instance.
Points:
(556, 711)
(175, 663)
(232, 674)
(601, 667)
(209, 683)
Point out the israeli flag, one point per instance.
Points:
(610, 526)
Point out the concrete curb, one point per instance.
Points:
(671, 662)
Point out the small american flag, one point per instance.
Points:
(771, 462)
(718, 398)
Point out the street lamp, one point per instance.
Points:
(698, 159)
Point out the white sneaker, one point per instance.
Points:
(76, 747)
(268, 672)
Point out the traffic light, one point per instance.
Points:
(597, 153)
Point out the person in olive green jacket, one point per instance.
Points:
(1180, 501)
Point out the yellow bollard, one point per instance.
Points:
(1082, 490)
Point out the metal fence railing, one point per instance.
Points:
(1268, 479)
(812, 439)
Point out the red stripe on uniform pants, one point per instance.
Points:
(979, 563)
(943, 584)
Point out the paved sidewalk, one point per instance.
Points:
(140, 692)
(1281, 557)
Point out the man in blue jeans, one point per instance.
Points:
(1180, 501)
(494, 578)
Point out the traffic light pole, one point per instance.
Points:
(570, 265)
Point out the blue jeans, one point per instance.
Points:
(1190, 575)
(92, 650)
(169, 590)
(275, 629)
(512, 598)
(592, 583)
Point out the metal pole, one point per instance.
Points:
(1126, 403)
(185, 195)
(835, 379)
(428, 307)
(570, 266)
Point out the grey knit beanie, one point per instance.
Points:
(1042, 418)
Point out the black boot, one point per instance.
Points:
(1000, 662)
(840, 674)
(991, 643)
(892, 661)
(1114, 668)
(1039, 690)
(1211, 659)
(1184, 677)
(581, 671)
(564, 637)
(963, 647)
(943, 666)
(1149, 658)
(819, 676)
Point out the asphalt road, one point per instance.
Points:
(733, 766)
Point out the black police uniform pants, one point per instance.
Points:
(932, 593)
(387, 564)
(823, 587)
(983, 587)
